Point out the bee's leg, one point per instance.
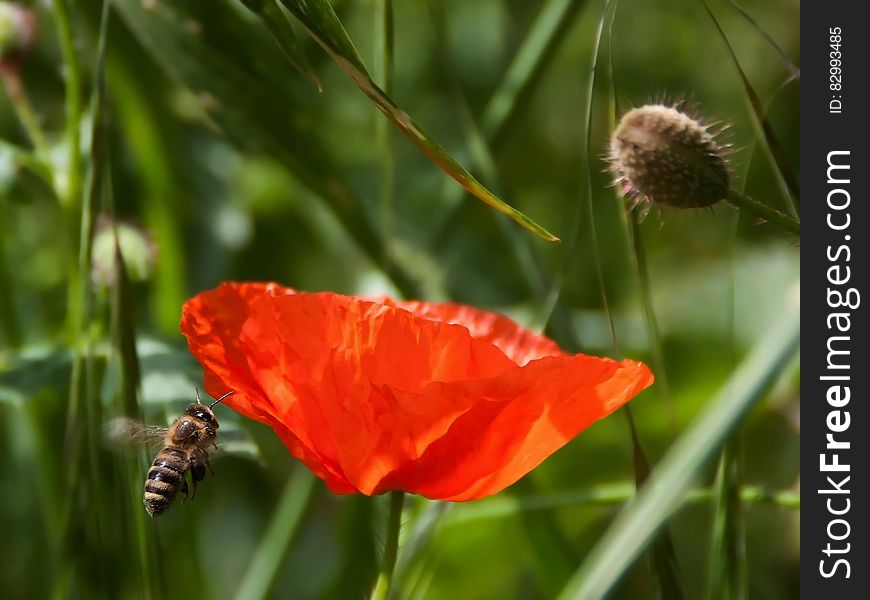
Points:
(202, 459)
(197, 474)
(184, 489)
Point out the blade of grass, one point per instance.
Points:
(253, 108)
(555, 290)
(20, 101)
(139, 120)
(415, 550)
(637, 523)
(663, 558)
(384, 46)
(279, 26)
(72, 94)
(786, 61)
(514, 90)
(321, 22)
(554, 555)
(784, 177)
(278, 537)
(546, 35)
(606, 495)
(649, 314)
(481, 153)
(536, 53)
(9, 318)
(84, 417)
(728, 551)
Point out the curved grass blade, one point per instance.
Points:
(795, 72)
(728, 550)
(279, 26)
(190, 41)
(136, 116)
(515, 89)
(321, 22)
(545, 36)
(555, 291)
(504, 506)
(269, 556)
(669, 482)
(785, 178)
(663, 553)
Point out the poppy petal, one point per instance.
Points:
(444, 400)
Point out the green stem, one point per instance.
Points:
(72, 79)
(765, 212)
(24, 109)
(391, 546)
(278, 538)
(383, 28)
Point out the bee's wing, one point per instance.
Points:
(126, 431)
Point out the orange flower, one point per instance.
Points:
(442, 400)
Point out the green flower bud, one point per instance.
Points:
(663, 156)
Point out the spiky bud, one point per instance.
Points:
(663, 156)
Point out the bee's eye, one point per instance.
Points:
(201, 415)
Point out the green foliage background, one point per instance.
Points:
(239, 167)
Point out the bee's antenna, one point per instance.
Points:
(198, 400)
(230, 393)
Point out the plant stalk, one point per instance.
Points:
(391, 546)
(765, 212)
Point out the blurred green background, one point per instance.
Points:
(234, 165)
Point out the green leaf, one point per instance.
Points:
(321, 22)
(635, 527)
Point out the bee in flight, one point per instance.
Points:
(186, 444)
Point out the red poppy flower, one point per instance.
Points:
(442, 400)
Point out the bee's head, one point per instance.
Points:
(203, 413)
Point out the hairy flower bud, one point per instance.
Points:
(663, 156)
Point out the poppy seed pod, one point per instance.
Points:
(663, 156)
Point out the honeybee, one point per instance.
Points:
(186, 444)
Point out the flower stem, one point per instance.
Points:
(21, 103)
(72, 80)
(765, 212)
(391, 546)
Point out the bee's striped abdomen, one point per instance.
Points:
(165, 478)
